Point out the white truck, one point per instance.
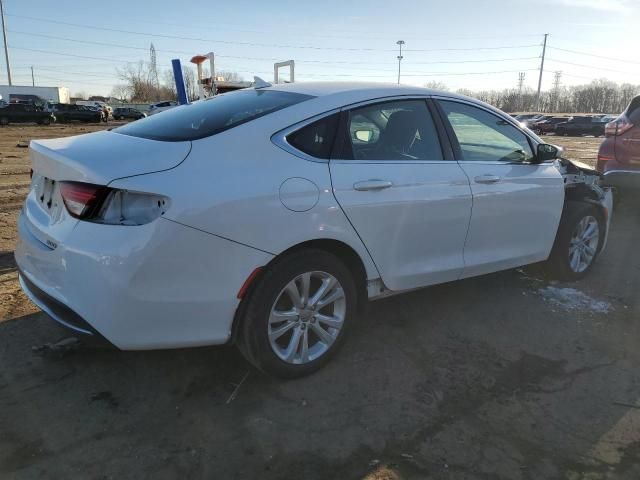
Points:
(13, 93)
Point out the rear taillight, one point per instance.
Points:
(618, 126)
(82, 199)
(111, 206)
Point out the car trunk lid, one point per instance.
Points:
(102, 157)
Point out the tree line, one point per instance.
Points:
(599, 96)
(140, 84)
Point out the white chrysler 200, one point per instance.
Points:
(268, 216)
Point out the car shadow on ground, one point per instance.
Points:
(482, 378)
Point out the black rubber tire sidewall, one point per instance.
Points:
(4, 121)
(558, 264)
(253, 340)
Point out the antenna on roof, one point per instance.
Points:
(260, 83)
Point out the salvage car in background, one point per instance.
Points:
(267, 217)
(24, 113)
(581, 125)
(65, 112)
(122, 113)
(619, 153)
(161, 107)
(548, 125)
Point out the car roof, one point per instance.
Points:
(322, 89)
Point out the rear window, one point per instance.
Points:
(213, 115)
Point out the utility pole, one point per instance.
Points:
(521, 76)
(399, 43)
(544, 51)
(33, 80)
(6, 48)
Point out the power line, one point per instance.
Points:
(594, 55)
(592, 66)
(255, 44)
(306, 33)
(329, 62)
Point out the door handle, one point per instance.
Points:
(372, 185)
(487, 179)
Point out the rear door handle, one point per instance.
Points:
(372, 185)
(487, 179)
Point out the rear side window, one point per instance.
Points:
(214, 115)
(391, 131)
(316, 139)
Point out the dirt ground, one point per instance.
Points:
(500, 377)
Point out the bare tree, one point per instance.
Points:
(436, 85)
(229, 76)
(140, 82)
(121, 92)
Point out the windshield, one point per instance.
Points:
(211, 116)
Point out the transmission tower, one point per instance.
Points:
(521, 77)
(154, 67)
(557, 78)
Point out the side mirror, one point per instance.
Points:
(547, 152)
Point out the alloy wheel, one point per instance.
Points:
(584, 244)
(307, 317)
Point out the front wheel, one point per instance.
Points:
(297, 316)
(578, 241)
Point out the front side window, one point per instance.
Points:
(397, 130)
(214, 115)
(483, 136)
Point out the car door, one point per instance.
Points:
(395, 178)
(517, 203)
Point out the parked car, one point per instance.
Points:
(66, 112)
(24, 113)
(96, 104)
(581, 125)
(161, 107)
(527, 116)
(549, 125)
(532, 122)
(121, 113)
(268, 216)
(619, 153)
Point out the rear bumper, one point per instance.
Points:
(57, 310)
(160, 285)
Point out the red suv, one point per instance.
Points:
(619, 154)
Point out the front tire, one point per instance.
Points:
(298, 314)
(578, 241)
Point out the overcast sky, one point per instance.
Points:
(471, 44)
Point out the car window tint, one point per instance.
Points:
(213, 115)
(317, 138)
(398, 130)
(484, 136)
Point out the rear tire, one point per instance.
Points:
(578, 242)
(270, 309)
(4, 121)
(46, 121)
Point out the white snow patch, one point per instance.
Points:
(572, 300)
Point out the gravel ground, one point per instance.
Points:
(500, 377)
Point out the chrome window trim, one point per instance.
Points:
(279, 139)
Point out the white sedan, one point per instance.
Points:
(269, 216)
